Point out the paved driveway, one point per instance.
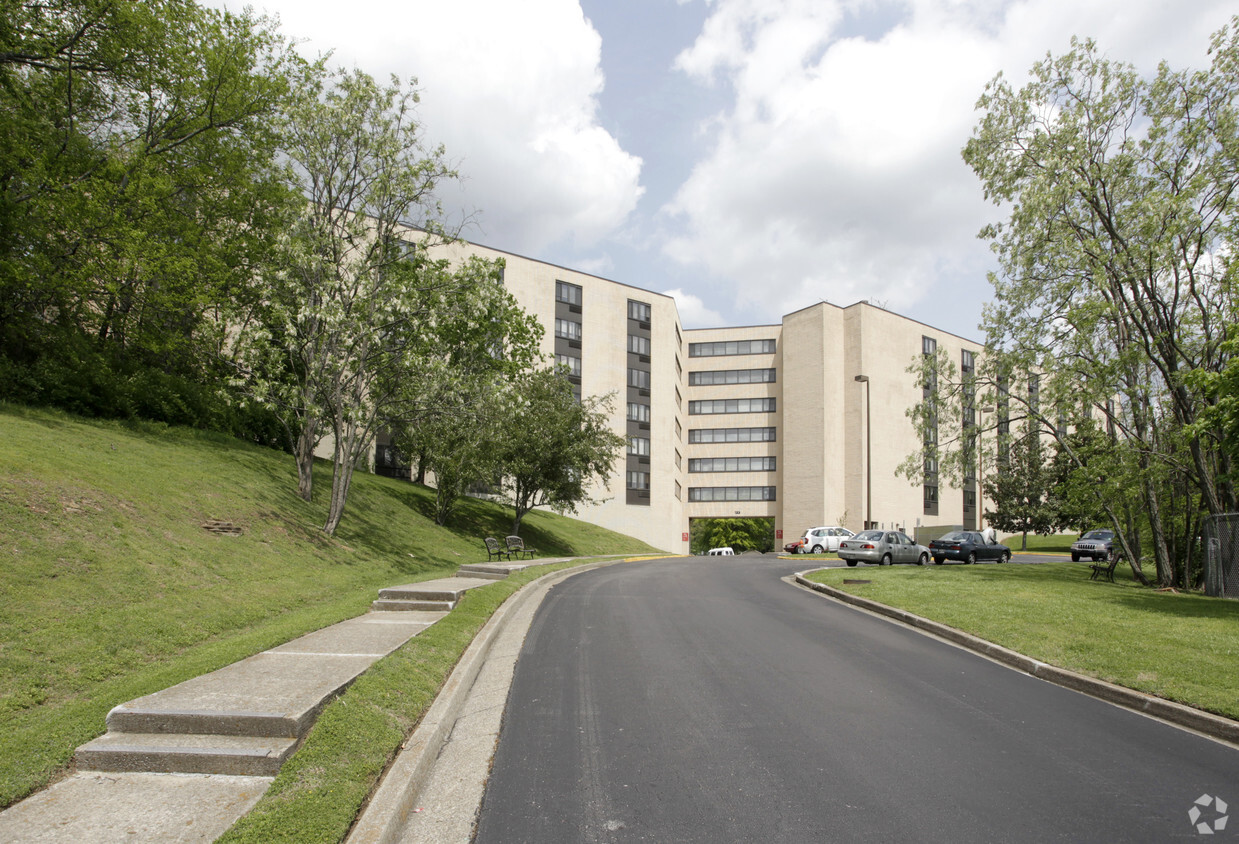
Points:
(706, 700)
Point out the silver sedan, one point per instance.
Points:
(883, 547)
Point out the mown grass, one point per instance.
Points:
(112, 589)
(1183, 647)
(319, 792)
(1059, 543)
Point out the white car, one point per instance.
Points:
(720, 552)
(819, 540)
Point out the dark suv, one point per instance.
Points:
(1095, 544)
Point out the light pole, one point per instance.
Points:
(864, 379)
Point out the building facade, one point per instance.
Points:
(803, 421)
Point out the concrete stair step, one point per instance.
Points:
(173, 722)
(443, 589)
(269, 694)
(497, 571)
(186, 754)
(483, 575)
(395, 605)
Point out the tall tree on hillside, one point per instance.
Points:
(554, 449)
(137, 184)
(450, 409)
(351, 299)
(1116, 280)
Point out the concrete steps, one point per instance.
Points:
(248, 717)
(442, 594)
(490, 571)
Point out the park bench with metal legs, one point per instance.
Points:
(495, 551)
(1104, 568)
(516, 546)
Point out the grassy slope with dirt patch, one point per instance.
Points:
(112, 589)
(1181, 647)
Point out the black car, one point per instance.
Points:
(967, 546)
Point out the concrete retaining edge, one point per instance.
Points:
(393, 800)
(1214, 726)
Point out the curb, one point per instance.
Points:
(392, 802)
(1213, 726)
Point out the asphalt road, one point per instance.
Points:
(706, 700)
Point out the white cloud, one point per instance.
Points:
(835, 173)
(511, 90)
(693, 311)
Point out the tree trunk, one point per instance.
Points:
(1161, 555)
(341, 478)
(307, 439)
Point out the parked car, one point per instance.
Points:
(968, 546)
(1094, 544)
(720, 552)
(819, 540)
(883, 547)
(796, 546)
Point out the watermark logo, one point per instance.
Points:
(1216, 807)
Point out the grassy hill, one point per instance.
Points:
(112, 588)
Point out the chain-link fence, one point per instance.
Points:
(1221, 547)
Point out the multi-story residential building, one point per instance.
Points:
(804, 421)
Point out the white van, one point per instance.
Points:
(720, 552)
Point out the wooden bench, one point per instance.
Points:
(495, 551)
(516, 546)
(1104, 568)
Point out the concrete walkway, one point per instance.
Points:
(185, 763)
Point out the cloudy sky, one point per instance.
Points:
(750, 157)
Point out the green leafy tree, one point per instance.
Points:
(452, 413)
(350, 302)
(138, 189)
(1116, 284)
(739, 534)
(1086, 470)
(1021, 491)
(555, 451)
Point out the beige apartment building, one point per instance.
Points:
(803, 421)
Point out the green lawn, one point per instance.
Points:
(1177, 646)
(112, 589)
(1053, 544)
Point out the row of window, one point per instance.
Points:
(573, 364)
(638, 412)
(731, 464)
(638, 480)
(731, 435)
(638, 345)
(731, 347)
(731, 493)
(639, 446)
(710, 406)
(730, 376)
